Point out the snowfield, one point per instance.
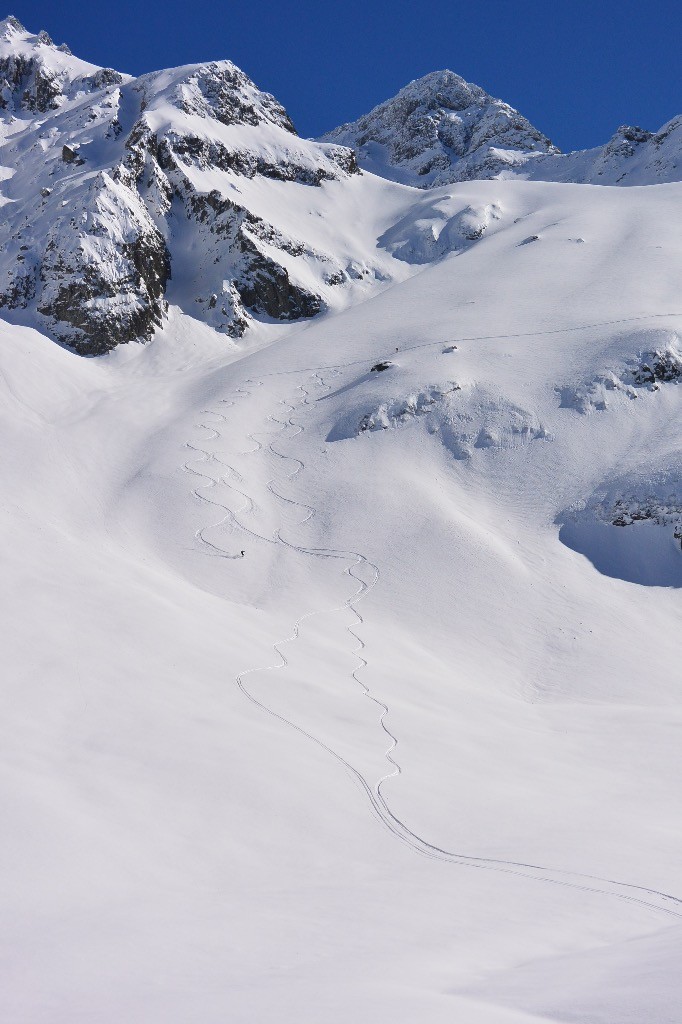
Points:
(415, 754)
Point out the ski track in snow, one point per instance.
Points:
(658, 901)
(480, 337)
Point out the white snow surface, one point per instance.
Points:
(411, 757)
(416, 755)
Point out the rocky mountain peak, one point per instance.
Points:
(440, 90)
(113, 180)
(13, 32)
(439, 129)
(35, 74)
(11, 26)
(223, 91)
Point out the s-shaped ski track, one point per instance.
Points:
(649, 898)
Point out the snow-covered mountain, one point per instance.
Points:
(633, 156)
(190, 186)
(440, 129)
(112, 186)
(340, 665)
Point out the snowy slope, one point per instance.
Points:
(188, 836)
(415, 756)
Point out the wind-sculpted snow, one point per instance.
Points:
(466, 417)
(434, 228)
(399, 411)
(631, 527)
(489, 421)
(654, 366)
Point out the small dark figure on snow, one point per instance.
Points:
(242, 554)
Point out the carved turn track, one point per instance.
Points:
(649, 898)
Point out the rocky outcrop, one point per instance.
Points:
(24, 83)
(267, 288)
(222, 91)
(646, 372)
(95, 304)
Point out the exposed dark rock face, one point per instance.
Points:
(24, 83)
(102, 78)
(660, 366)
(94, 305)
(70, 156)
(268, 289)
(21, 286)
(206, 153)
(224, 92)
(92, 255)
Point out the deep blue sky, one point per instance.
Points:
(576, 69)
